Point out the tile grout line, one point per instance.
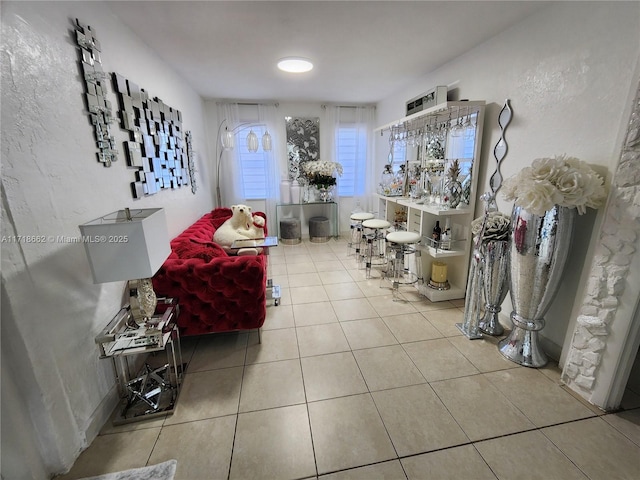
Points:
(306, 403)
(237, 414)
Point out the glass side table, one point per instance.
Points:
(151, 390)
(273, 291)
(304, 211)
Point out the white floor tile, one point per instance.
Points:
(387, 367)
(280, 344)
(332, 375)
(314, 314)
(270, 385)
(273, 443)
(348, 432)
(321, 339)
(216, 433)
(368, 333)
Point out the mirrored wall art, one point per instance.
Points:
(156, 147)
(95, 81)
(188, 138)
(303, 143)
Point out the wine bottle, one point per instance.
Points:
(437, 231)
(445, 237)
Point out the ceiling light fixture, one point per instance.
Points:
(295, 65)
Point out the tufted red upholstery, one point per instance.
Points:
(216, 292)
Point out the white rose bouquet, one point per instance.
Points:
(561, 180)
(497, 227)
(321, 173)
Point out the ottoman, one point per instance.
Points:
(290, 231)
(319, 229)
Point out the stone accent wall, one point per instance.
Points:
(619, 242)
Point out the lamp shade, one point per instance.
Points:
(266, 141)
(123, 249)
(227, 139)
(252, 142)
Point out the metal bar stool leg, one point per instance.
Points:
(402, 245)
(360, 245)
(356, 232)
(375, 229)
(398, 271)
(369, 255)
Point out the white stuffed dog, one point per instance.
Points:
(242, 224)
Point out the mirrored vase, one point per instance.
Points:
(325, 194)
(538, 253)
(495, 258)
(470, 326)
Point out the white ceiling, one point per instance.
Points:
(362, 51)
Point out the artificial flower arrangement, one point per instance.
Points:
(561, 180)
(497, 227)
(321, 173)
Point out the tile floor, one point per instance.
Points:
(347, 383)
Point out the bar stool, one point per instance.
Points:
(375, 250)
(401, 245)
(355, 241)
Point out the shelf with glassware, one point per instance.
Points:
(454, 248)
(437, 183)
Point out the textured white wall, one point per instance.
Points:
(599, 354)
(568, 70)
(59, 392)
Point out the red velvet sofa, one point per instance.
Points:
(217, 292)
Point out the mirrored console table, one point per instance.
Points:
(152, 389)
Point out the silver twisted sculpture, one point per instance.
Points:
(489, 269)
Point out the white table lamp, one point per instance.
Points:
(129, 245)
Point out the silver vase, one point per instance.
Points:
(538, 253)
(473, 298)
(325, 194)
(495, 257)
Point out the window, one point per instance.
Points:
(253, 165)
(351, 153)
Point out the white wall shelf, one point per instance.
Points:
(442, 112)
(439, 253)
(409, 202)
(421, 218)
(453, 293)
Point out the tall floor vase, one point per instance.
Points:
(495, 255)
(538, 253)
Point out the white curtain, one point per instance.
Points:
(363, 118)
(330, 120)
(240, 115)
(228, 172)
(268, 116)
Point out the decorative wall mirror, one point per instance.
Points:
(303, 143)
(95, 81)
(156, 146)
